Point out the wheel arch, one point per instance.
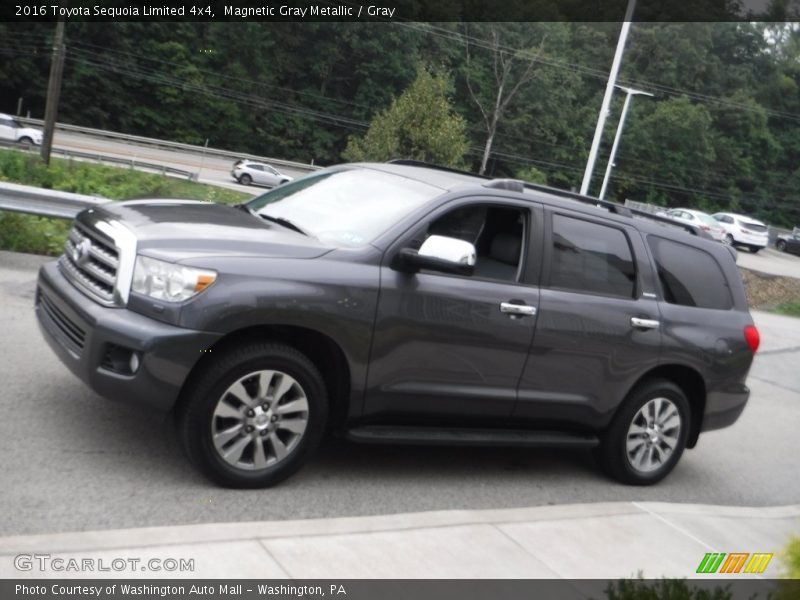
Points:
(326, 354)
(691, 383)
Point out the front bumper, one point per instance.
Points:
(81, 333)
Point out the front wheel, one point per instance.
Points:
(26, 141)
(647, 436)
(245, 179)
(254, 416)
(754, 249)
(781, 245)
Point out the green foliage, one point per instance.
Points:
(791, 554)
(792, 309)
(420, 125)
(115, 183)
(721, 131)
(40, 235)
(37, 235)
(663, 589)
(531, 174)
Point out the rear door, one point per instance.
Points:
(598, 326)
(444, 347)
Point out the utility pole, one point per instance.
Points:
(612, 81)
(629, 92)
(53, 90)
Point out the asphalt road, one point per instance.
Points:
(770, 260)
(72, 461)
(211, 169)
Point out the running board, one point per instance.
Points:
(435, 436)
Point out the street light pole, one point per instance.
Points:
(612, 80)
(629, 93)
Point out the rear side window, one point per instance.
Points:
(690, 276)
(589, 257)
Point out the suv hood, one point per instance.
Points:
(177, 230)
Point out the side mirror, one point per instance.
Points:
(440, 253)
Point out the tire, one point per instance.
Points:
(259, 395)
(245, 179)
(728, 240)
(781, 245)
(631, 467)
(754, 249)
(25, 141)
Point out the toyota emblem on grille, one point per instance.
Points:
(80, 253)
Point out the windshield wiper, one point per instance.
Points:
(284, 223)
(243, 206)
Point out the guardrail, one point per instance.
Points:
(137, 139)
(43, 202)
(101, 158)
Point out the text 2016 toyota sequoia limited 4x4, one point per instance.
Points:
(401, 303)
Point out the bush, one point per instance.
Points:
(663, 589)
(41, 235)
(37, 235)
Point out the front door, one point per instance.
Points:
(448, 345)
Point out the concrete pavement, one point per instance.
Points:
(583, 541)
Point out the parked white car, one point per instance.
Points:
(250, 171)
(699, 219)
(13, 130)
(741, 230)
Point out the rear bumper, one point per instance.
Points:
(81, 332)
(751, 239)
(724, 407)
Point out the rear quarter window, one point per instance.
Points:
(690, 276)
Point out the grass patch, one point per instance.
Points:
(791, 309)
(41, 235)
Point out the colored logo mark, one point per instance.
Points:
(735, 562)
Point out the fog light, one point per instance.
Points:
(134, 364)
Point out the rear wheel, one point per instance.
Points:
(728, 240)
(755, 249)
(781, 245)
(647, 436)
(254, 416)
(26, 141)
(245, 179)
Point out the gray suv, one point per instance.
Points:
(401, 303)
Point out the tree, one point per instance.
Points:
(420, 125)
(510, 71)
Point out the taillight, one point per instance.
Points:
(752, 337)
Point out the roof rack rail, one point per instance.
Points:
(410, 162)
(512, 185)
(614, 207)
(517, 185)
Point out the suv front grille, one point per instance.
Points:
(91, 263)
(73, 336)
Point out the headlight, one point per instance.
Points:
(168, 281)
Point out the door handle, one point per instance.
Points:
(644, 323)
(522, 310)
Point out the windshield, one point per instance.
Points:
(349, 207)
